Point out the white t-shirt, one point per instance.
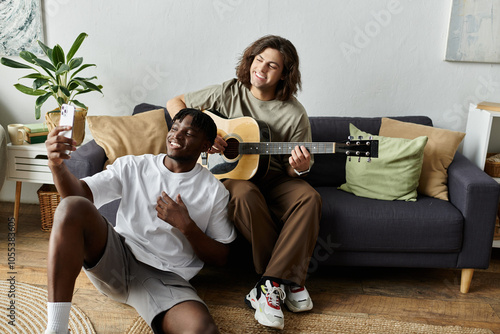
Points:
(139, 181)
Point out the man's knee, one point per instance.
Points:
(73, 209)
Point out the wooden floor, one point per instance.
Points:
(428, 296)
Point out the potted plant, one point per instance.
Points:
(57, 78)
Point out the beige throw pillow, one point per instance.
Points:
(438, 153)
(130, 135)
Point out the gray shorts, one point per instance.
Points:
(150, 291)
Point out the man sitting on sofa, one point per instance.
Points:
(172, 219)
(280, 213)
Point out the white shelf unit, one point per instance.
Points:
(482, 137)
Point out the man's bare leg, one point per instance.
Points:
(78, 236)
(188, 317)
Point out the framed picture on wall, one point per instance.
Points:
(20, 26)
(474, 33)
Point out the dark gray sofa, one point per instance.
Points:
(356, 231)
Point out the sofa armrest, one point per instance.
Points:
(87, 160)
(475, 194)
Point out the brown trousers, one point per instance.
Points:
(280, 216)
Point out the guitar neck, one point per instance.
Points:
(285, 147)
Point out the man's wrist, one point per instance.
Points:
(302, 172)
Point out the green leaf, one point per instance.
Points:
(39, 102)
(85, 79)
(45, 65)
(73, 85)
(84, 91)
(35, 76)
(39, 83)
(14, 64)
(58, 56)
(62, 69)
(81, 68)
(61, 101)
(37, 111)
(81, 83)
(28, 90)
(28, 56)
(65, 91)
(76, 45)
(46, 50)
(92, 86)
(54, 88)
(75, 62)
(79, 104)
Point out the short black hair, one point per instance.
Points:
(200, 120)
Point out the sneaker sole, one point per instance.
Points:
(251, 301)
(294, 309)
(261, 318)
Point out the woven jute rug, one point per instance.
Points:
(241, 320)
(24, 310)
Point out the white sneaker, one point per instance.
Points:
(298, 299)
(268, 305)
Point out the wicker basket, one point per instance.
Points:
(49, 199)
(490, 167)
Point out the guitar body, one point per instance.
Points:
(232, 164)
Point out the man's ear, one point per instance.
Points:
(206, 146)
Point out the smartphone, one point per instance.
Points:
(67, 118)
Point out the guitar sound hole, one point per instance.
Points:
(232, 148)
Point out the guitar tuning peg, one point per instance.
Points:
(350, 137)
(360, 137)
(370, 138)
(369, 159)
(359, 159)
(349, 159)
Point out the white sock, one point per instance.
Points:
(58, 317)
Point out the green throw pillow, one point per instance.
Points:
(393, 175)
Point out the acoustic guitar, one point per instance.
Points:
(249, 148)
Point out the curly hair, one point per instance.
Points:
(200, 120)
(291, 82)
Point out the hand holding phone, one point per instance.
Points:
(67, 118)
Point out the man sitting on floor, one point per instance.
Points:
(172, 218)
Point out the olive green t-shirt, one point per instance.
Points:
(287, 120)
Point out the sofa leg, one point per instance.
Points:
(466, 280)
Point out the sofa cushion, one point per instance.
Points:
(438, 153)
(329, 169)
(143, 107)
(393, 175)
(130, 135)
(369, 225)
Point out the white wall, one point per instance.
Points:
(360, 58)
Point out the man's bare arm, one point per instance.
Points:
(176, 104)
(66, 183)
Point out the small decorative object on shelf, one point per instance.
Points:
(35, 133)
